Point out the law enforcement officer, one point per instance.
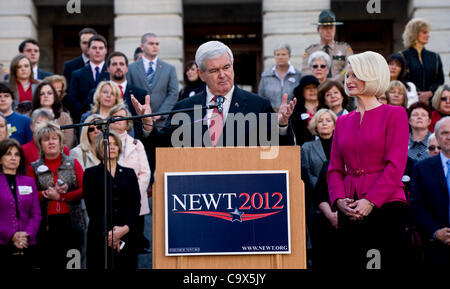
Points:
(338, 51)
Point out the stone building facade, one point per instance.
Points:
(251, 27)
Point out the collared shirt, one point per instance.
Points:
(225, 107)
(444, 160)
(291, 70)
(85, 58)
(123, 85)
(35, 72)
(93, 66)
(417, 150)
(147, 63)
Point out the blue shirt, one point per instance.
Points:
(19, 127)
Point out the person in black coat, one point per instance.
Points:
(193, 83)
(307, 103)
(424, 67)
(122, 216)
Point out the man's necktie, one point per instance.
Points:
(97, 75)
(216, 125)
(150, 73)
(448, 183)
(121, 90)
(326, 48)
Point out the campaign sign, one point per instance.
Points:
(227, 213)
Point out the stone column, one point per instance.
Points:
(437, 13)
(162, 17)
(290, 21)
(18, 20)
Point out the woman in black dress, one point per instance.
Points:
(124, 204)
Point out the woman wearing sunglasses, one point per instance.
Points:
(85, 151)
(319, 62)
(441, 103)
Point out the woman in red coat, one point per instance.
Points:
(368, 158)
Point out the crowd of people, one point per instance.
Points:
(374, 134)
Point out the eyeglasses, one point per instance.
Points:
(92, 128)
(445, 99)
(433, 147)
(315, 66)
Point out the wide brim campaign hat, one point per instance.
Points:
(327, 18)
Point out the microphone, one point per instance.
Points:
(219, 101)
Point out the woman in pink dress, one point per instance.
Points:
(368, 158)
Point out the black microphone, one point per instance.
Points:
(219, 101)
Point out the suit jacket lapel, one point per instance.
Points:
(437, 164)
(159, 67)
(142, 73)
(319, 150)
(238, 102)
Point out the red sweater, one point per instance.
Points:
(61, 207)
(24, 95)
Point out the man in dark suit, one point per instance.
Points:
(30, 48)
(80, 61)
(235, 124)
(429, 197)
(117, 67)
(87, 78)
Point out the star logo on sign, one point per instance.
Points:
(236, 215)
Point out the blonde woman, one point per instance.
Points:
(133, 155)
(397, 94)
(368, 159)
(441, 103)
(106, 95)
(424, 67)
(85, 151)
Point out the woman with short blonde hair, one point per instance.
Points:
(368, 159)
(441, 103)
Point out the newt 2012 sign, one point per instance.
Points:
(227, 213)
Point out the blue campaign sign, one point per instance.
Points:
(227, 213)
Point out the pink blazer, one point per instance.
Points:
(369, 159)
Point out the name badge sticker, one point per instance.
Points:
(25, 190)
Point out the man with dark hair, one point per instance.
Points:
(30, 48)
(80, 61)
(87, 78)
(117, 67)
(18, 124)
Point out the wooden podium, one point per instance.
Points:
(230, 159)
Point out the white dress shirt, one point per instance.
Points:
(225, 106)
(93, 66)
(147, 63)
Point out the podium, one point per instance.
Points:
(205, 159)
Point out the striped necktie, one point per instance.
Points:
(150, 73)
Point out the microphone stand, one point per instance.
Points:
(105, 123)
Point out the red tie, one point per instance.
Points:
(121, 90)
(216, 125)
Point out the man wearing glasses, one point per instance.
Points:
(338, 51)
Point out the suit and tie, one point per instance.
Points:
(241, 102)
(72, 65)
(82, 81)
(163, 89)
(429, 197)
